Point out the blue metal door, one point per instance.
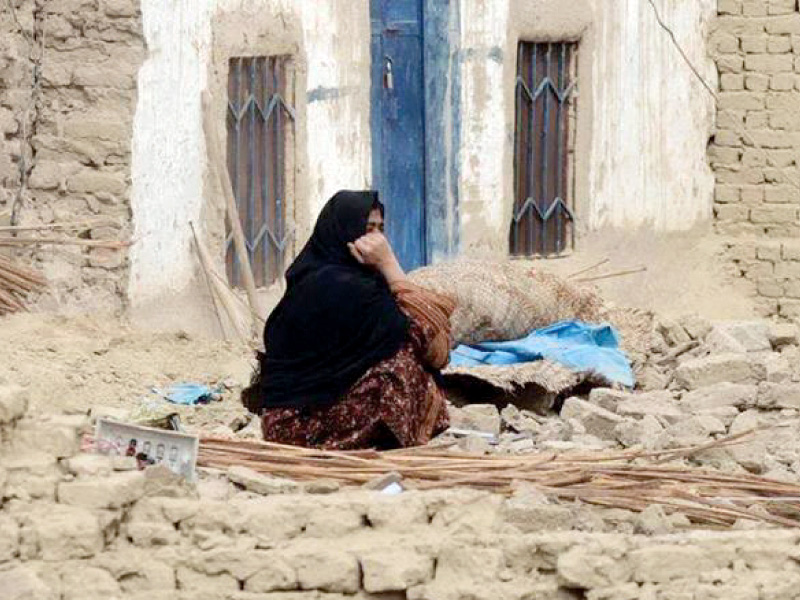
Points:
(398, 124)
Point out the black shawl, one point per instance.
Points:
(337, 318)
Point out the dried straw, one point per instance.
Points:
(16, 283)
(605, 479)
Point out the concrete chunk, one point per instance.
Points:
(720, 395)
(116, 491)
(709, 370)
(480, 417)
(779, 395)
(596, 420)
(261, 484)
(753, 336)
(657, 404)
(394, 570)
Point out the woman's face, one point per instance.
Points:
(375, 221)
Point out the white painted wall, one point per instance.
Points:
(169, 152)
(484, 132)
(644, 151)
(652, 118)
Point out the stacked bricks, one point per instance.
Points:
(756, 45)
(68, 77)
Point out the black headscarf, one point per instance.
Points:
(337, 318)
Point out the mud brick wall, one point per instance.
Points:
(84, 527)
(67, 96)
(756, 44)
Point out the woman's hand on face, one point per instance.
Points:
(372, 249)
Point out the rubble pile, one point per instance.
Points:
(699, 382)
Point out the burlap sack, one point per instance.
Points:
(506, 300)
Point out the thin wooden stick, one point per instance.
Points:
(615, 274)
(55, 226)
(113, 244)
(214, 144)
(591, 268)
(208, 280)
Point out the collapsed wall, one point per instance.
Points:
(67, 97)
(83, 526)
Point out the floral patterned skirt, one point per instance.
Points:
(396, 403)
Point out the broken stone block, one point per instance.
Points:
(661, 563)
(116, 491)
(517, 420)
(720, 341)
(321, 487)
(653, 521)
(261, 484)
(778, 368)
(643, 432)
(607, 398)
(59, 436)
(90, 465)
(657, 404)
(596, 420)
(394, 570)
(779, 395)
(22, 583)
(529, 515)
(782, 335)
(474, 444)
(62, 532)
(396, 513)
(327, 570)
(585, 568)
(480, 417)
(709, 370)
(673, 332)
(752, 335)
(13, 403)
(334, 521)
(720, 395)
(275, 575)
(652, 380)
(696, 326)
(31, 475)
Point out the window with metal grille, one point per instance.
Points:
(542, 219)
(260, 152)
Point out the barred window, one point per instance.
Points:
(260, 127)
(542, 220)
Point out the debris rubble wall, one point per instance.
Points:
(81, 526)
(68, 78)
(755, 149)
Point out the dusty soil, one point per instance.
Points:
(74, 364)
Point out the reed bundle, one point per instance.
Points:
(628, 479)
(16, 282)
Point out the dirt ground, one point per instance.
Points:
(72, 364)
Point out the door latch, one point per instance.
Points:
(388, 74)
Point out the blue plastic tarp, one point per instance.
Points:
(578, 346)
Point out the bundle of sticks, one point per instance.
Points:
(16, 282)
(631, 480)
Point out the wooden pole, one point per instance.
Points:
(214, 145)
(208, 279)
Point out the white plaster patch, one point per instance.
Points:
(483, 132)
(652, 118)
(168, 149)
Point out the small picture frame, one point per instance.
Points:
(176, 451)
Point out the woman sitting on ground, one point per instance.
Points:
(353, 349)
